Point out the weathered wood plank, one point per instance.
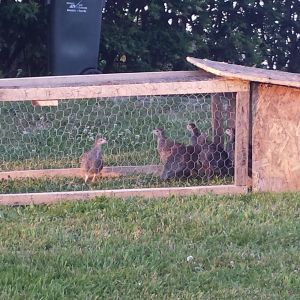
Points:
(220, 115)
(45, 103)
(276, 139)
(242, 138)
(104, 79)
(231, 110)
(217, 113)
(48, 198)
(76, 172)
(122, 90)
(246, 73)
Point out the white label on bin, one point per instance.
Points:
(76, 7)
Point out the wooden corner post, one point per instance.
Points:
(217, 112)
(242, 138)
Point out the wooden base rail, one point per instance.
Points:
(48, 198)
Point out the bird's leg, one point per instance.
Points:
(94, 176)
(86, 178)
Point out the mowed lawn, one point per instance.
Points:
(210, 247)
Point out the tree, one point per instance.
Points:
(23, 39)
(149, 35)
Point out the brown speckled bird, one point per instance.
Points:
(164, 145)
(91, 161)
(197, 138)
(219, 162)
(183, 163)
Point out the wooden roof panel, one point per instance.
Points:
(105, 79)
(246, 73)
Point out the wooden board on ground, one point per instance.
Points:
(110, 172)
(48, 198)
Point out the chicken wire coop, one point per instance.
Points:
(166, 133)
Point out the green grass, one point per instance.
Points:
(243, 247)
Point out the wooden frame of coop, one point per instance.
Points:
(211, 78)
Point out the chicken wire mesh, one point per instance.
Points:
(186, 139)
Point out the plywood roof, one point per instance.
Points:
(246, 73)
(105, 79)
(116, 85)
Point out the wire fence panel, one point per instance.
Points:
(138, 132)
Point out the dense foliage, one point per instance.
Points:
(144, 35)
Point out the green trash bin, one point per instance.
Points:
(75, 28)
